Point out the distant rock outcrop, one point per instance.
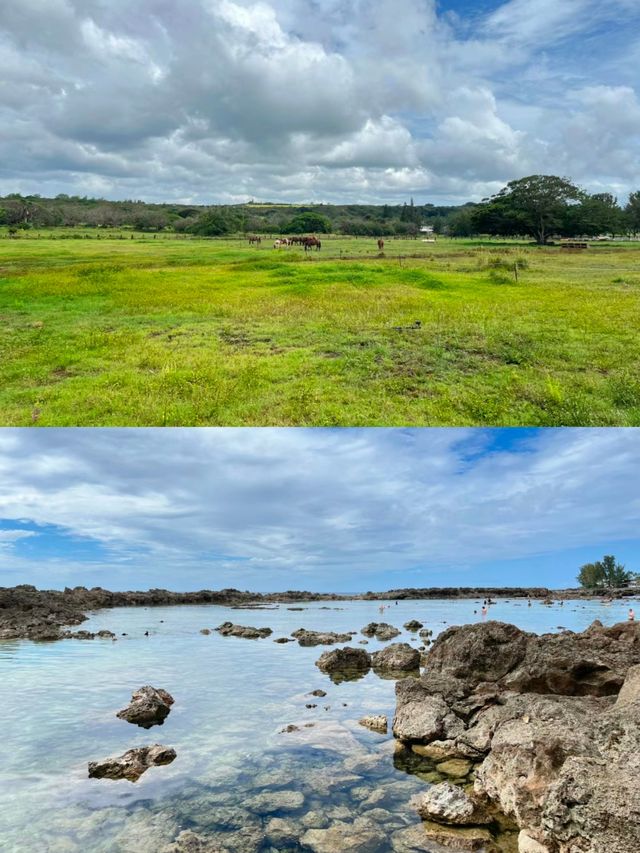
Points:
(228, 629)
(319, 638)
(380, 630)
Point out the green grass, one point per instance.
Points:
(172, 331)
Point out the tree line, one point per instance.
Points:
(539, 207)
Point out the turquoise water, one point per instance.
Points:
(233, 698)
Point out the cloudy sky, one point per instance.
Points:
(325, 100)
(343, 510)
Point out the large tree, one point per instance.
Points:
(606, 573)
(535, 205)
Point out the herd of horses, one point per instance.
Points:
(307, 243)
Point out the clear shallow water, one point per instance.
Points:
(233, 698)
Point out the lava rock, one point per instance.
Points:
(149, 707)
(132, 764)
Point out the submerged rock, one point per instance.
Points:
(380, 630)
(149, 707)
(358, 836)
(132, 764)
(283, 640)
(319, 638)
(228, 629)
(347, 662)
(555, 750)
(269, 802)
(375, 723)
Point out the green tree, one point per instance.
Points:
(534, 205)
(606, 573)
(305, 223)
(216, 223)
(596, 214)
(632, 212)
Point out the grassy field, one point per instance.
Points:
(175, 331)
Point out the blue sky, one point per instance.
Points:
(319, 509)
(301, 100)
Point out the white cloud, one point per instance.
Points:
(217, 100)
(304, 507)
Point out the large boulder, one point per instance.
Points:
(228, 629)
(149, 707)
(345, 663)
(397, 658)
(413, 625)
(380, 630)
(132, 764)
(319, 638)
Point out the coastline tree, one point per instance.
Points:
(604, 574)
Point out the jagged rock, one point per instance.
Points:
(413, 625)
(375, 723)
(560, 755)
(132, 764)
(398, 657)
(106, 635)
(380, 630)
(228, 629)
(149, 707)
(345, 662)
(448, 804)
(319, 638)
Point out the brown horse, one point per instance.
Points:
(253, 238)
(312, 243)
(380, 245)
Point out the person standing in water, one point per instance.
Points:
(632, 615)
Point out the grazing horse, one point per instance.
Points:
(253, 238)
(312, 242)
(380, 244)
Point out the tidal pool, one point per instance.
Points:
(237, 778)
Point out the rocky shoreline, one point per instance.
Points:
(544, 733)
(29, 613)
